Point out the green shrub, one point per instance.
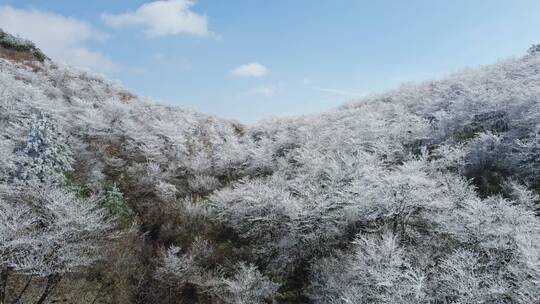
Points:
(21, 45)
(115, 203)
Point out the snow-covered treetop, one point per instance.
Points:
(534, 49)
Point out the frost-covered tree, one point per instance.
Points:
(15, 219)
(465, 277)
(179, 269)
(248, 285)
(504, 239)
(49, 232)
(523, 196)
(44, 155)
(377, 271)
(527, 158)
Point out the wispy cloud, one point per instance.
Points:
(267, 91)
(162, 18)
(336, 91)
(64, 39)
(253, 69)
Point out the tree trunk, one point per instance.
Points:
(52, 281)
(23, 290)
(4, 274)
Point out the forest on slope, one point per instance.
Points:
(425, 194)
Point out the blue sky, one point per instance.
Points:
(291, 57)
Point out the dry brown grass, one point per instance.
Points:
(126, 97)
(72, 289)
(25, 57)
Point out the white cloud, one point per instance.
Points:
(250, 70)
(267, 91)
(161, 18)
(62, 38)
(84, 57)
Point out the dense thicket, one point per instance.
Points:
(424, 194)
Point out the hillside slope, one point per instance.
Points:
(424, 194)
